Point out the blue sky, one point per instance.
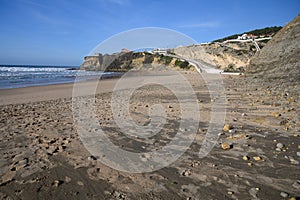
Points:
(62, 32)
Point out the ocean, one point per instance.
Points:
(17, 76)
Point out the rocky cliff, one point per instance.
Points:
(121, 62)
(279, 61)
(233, 56)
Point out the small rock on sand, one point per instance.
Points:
(284, 194)
(80, 183)
(279, 145)
(246, 158)
(294, 162)
(57, 183)
(275, 114)
(226, 146)
(257, 158)
(296, 185)
(226, 127)
(186, 172)
(67, 179)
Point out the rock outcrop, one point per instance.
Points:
(223, 56)
(122, 62)
(279, 62)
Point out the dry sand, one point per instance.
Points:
(42, 156)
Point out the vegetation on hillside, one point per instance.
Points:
(258, 32)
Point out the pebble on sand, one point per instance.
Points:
(226, 127)
(246, 158)
(186, 172)
(57, 183)
(80, 183)
(279, 145)
(296, 185)
(226, 146)
(275, 114)
(257, 158)
(284, 194)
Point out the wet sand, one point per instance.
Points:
(256, 156)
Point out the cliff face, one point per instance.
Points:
(234, 55)
(114, 62)
(126, 61)
(279, 61)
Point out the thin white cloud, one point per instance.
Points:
(120, 2)
(200, 25)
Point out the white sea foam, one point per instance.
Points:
(22, 76)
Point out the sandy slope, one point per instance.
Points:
(42, 156)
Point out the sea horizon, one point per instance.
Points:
(19, 76)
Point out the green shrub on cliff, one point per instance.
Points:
(182, 64)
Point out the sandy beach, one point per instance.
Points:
(256, 156)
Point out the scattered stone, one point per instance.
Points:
(278, 149)
(257, 158)
(230, 192)
(195, 164)
(57, 183)
(298, 153)
(238, 136)
(226, 146)
(246, 158)
(298, 146)
(226, 127)
(244, 114)
(279, 145)
(169, 106)
(52, 150)
(275, 114)
(293, 198)
(291, 99)
(92, 157)
(284, 194)
(186, 172)
(119, 195)
(296, 185)
(250, 164)
(80, 183)
(231, 131)
(293, 161)
(67, 179)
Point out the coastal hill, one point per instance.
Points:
(268, 31)
(232, 53)
(121, 62)
(279, 62)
